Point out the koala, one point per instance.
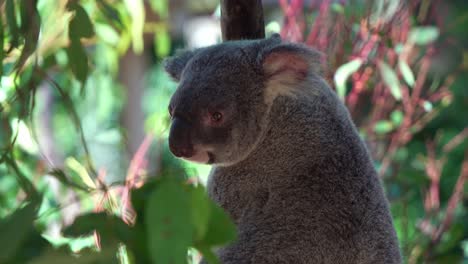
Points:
(288, 165)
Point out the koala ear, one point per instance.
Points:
(290, 62)
(285, 66)
(176, 64)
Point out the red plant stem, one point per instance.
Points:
(455, 141)
(454, 200)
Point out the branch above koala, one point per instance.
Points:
(242, 19)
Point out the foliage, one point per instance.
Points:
(400, 67)
(134, 216)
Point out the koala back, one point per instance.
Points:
(309, 192)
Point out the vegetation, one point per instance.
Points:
(69, 192)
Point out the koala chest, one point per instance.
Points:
(238, 194)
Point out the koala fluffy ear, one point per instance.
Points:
(176, 64)
(287, 65)
(290, 62)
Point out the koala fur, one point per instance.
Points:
(288, 164)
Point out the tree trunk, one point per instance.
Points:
(242, 19)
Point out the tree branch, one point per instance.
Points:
(242, 19)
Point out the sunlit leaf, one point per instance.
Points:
(423, 35)
(427, 106)
(162, 43)
(383, 127)
(161, 8)
(396, 117)
(390, 79)
(343, 73)
(406, 72)
(107, 34)
(73, 164)
(62, 177)
(338, 8)
(24, 137)
(137, 14)
(167, 217)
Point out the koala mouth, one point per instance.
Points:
(200, 156)
(210, 158)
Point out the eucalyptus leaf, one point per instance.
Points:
(163, 43)
(390, 79)
(13, 27)
(15, 229)
(343, 73)
(137, 14)
(383, 127)
(80, 26)
(78, 60)
(423, 35)
(406, 72)
(167, 218)
(397, 117)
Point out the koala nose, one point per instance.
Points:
(179, 139)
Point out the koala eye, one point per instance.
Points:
(216, 117)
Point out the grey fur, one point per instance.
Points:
(294, 175)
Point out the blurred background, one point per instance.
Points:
(83, 109)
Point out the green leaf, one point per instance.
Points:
(343, 73)
(110, 12)
(405, 70)
(200, 205)
(161, 8)
(12, 24)
(86, 256)
(338, 8)
(221, 229)
(396, 117)
(5, 132)
(110, 227)
(80, 26)
(30, 28)
(15, 230)
(167, 218)
(78, 61)
(163, 43)
(423, 35)
(427, 106)
(137, 14)
(107, 34)
(390, 79)
(2, 41)
(383, 127)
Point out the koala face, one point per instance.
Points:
(219, 111)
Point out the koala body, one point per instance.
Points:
(288, 164)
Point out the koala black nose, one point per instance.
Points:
(179, 138)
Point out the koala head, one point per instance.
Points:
(219, 110)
